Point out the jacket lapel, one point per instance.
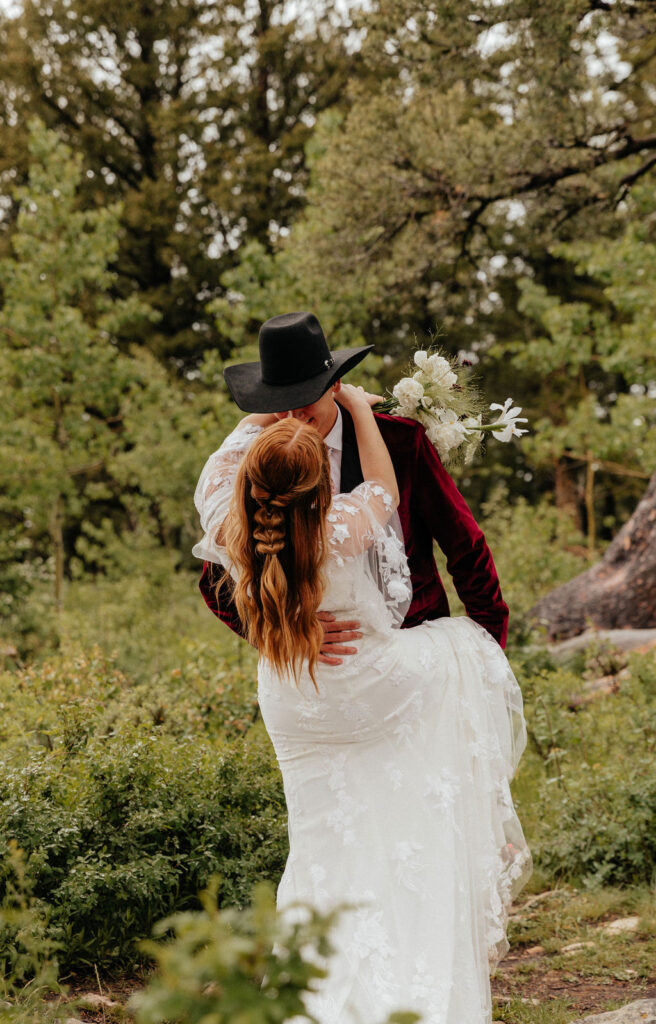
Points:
(351, 471)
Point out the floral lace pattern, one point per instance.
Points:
(214, 491)
(397, 776)
(396, 772)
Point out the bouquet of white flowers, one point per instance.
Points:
(439, 395)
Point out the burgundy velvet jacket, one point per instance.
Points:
(430, 508)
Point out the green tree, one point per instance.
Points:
(62, 375)
(597, 418)
(194, 115)
(483, 133)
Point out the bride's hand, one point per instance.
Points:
(353, 398)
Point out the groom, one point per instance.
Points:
(299, 375)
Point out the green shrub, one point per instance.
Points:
(28, 967)
(152, 618)
(586, 784)
(75, 694)
(237, 967)
(606, 826)
(127, 827)
(535, 548)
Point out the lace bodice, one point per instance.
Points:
(366, 566)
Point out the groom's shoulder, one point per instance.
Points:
(399, 433)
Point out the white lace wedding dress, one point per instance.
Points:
(396, 777)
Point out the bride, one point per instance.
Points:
(396, 769)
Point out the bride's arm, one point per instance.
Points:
(214, 488)
(259, 419)
(374, 456)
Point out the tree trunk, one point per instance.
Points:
(618, 592)
(566, 493)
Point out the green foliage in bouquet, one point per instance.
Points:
(249, 966)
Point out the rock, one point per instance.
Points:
(72, 1020)
(535, 950)
(94, 1001)
(573, 946)
(621, 924)
(641, 1012)
(641, 640)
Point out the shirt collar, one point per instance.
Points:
(333, 438)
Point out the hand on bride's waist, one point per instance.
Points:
(339, 633)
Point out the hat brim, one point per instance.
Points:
(252, 395)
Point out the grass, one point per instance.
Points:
(604, 972)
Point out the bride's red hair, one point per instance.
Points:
(275, 534)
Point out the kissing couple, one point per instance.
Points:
(396, 727)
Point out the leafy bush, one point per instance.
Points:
(28, 968)
(587, 781)
(239, 967)
(127, 827)
(152, 618)
(76, 695)
(606, 832)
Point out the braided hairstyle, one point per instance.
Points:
(275, 535)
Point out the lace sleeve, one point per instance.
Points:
(214, 490)
(365, 522)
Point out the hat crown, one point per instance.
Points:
(293, 349)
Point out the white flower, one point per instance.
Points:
(436, 368)
(445, 430)
(508, 419)
(408, 393)
(473, 425)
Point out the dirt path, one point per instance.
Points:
(527, 976)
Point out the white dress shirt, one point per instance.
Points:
(333, 442)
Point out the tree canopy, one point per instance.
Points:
(193, 114)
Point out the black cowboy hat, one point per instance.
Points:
(296, 366)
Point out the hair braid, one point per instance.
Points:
(276, 538)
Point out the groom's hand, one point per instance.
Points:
(335, 636)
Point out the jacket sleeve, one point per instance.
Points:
(212, 500)
(451, 523)
(224, 607)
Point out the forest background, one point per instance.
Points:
(480, 175)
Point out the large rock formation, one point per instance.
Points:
(618, 592)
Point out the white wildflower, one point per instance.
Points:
(508, 419)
